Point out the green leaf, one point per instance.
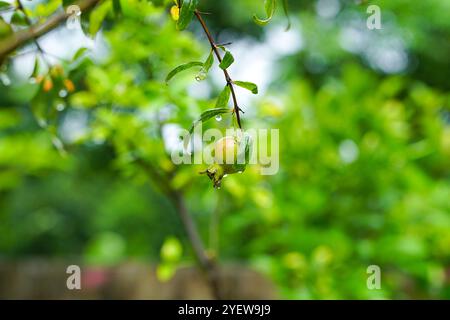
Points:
(40, 110)
(286, 13)
(227, 60)
(203, 73)
(171, 250)
(80, 52)
(36, 68)
(186, 13)
(83, 99)
(4, 4)
(5, 28)
(183, 67)
(269, 6)
(117, 8)
(209, 62)
(67, 3)
(224, 97)
(97, 16)
(165, 271)
(19, 19)
(208, 114)
(247, 85)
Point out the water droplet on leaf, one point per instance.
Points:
(62, 93)
(201, 75)
(60, 106)
(218, 117)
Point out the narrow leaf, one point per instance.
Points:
(97, 16)
(186, 13)
(224, 97)
(4, 4)
(67, 3)
(36, 68)
(5, 28)
(80, 52)
(227, 60)
(247, 85)
(175, 13)
(269, 6)
(286, 13)
(117, 7)
(19, 19)
(209, 62)
(183, 67)
(208, 114)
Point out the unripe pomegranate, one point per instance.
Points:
(225, 150)
(228, 155)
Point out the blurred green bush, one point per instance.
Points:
(364, 151)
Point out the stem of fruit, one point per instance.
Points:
(228, 79)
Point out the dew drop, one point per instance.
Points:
(42, 123)
(239, 171)
(225, 175)
(201, 75)
(5, 79)
(218, 117)
(60, 106)
(62, 93)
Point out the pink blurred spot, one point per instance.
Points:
(92, 278)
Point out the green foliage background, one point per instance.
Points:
(315, 226)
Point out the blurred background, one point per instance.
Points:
(364, 179)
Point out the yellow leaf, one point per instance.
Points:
(175, 13)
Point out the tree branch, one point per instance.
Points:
(206, 263)
(215, 47)
(177, 198)
(21, 37)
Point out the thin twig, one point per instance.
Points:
(228, 79)
(224, 44)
